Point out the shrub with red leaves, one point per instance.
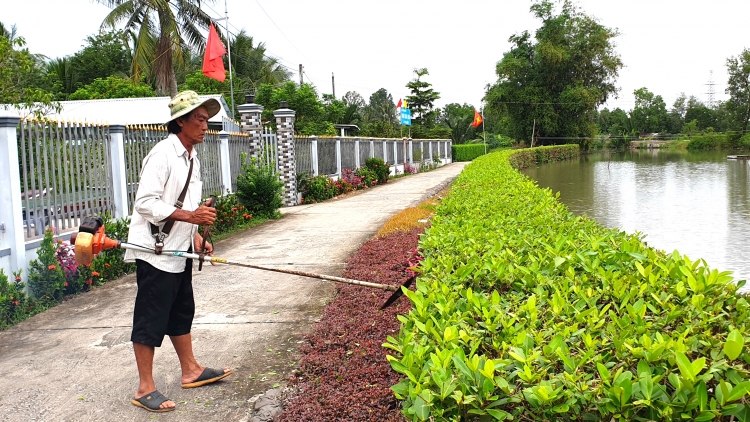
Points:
(343, 374)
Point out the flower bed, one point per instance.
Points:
(524, 311)
(343, 374)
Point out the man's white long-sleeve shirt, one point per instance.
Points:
(162, 178)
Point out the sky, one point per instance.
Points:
(667, 46)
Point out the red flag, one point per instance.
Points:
(399, 103)
(477, 119)
(213, 64)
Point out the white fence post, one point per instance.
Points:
(356, 153)
(448, 151)
(119, 173)
(385, 151)
(314, 154)
(338, 156)
(225, 163)
(411, 151)
(430, 147)
(372, 148)
(12, 245)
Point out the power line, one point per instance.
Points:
(275, 58)
(282, 32)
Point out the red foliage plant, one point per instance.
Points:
(343, 374)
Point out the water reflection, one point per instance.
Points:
(697, 203)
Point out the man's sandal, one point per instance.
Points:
(207, 377)
(152, 401)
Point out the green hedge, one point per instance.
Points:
(524, 311)
(708, 142)
(524, 158)
(467, 152)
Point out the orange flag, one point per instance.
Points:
(477, 119)
(213, 64)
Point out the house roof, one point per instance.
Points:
(128, 111)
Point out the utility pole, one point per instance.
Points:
(300, 75)
(333, 85)
(229, 52)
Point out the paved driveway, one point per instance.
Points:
(75, 362)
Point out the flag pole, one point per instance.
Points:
(484, 134)
(229, 55)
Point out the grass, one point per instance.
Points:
(413, 217)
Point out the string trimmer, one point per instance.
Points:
(91, 240)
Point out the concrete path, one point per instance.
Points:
(75, 362)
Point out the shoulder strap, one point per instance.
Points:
(159, 235)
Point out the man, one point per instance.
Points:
(164, 303)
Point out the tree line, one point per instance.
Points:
(147, 48)
(552, 84)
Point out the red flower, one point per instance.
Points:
(65, 284)
(18, 278)
(94, 273)
(106, 265)
(15, 303)
(51, 267)
(88, 282)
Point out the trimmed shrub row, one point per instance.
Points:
(524, 158)
(714, 141)
(708, 142)
(524, 311)
(467, 152)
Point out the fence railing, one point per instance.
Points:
(303, 155)
(210, 158)
(229, 125)
(138, 141)
(56, 173)
(64, 172)
(338, 153)
(239, 143)
(269, 149)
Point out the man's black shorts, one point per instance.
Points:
(164, 304)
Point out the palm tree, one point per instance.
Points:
(63, 70)
(251, 63)
(161, 30)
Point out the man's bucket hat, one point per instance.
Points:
(187, 101)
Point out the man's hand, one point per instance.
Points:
(198, 244)
(205, 215)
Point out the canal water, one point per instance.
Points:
(697, 203)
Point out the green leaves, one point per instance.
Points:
(689, 370)
(524, 311)
(733, 345)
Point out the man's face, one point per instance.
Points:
(194, 127)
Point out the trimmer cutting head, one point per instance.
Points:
(398, 293)
(90, 240)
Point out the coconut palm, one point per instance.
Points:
(161, 31)
(251, 63)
